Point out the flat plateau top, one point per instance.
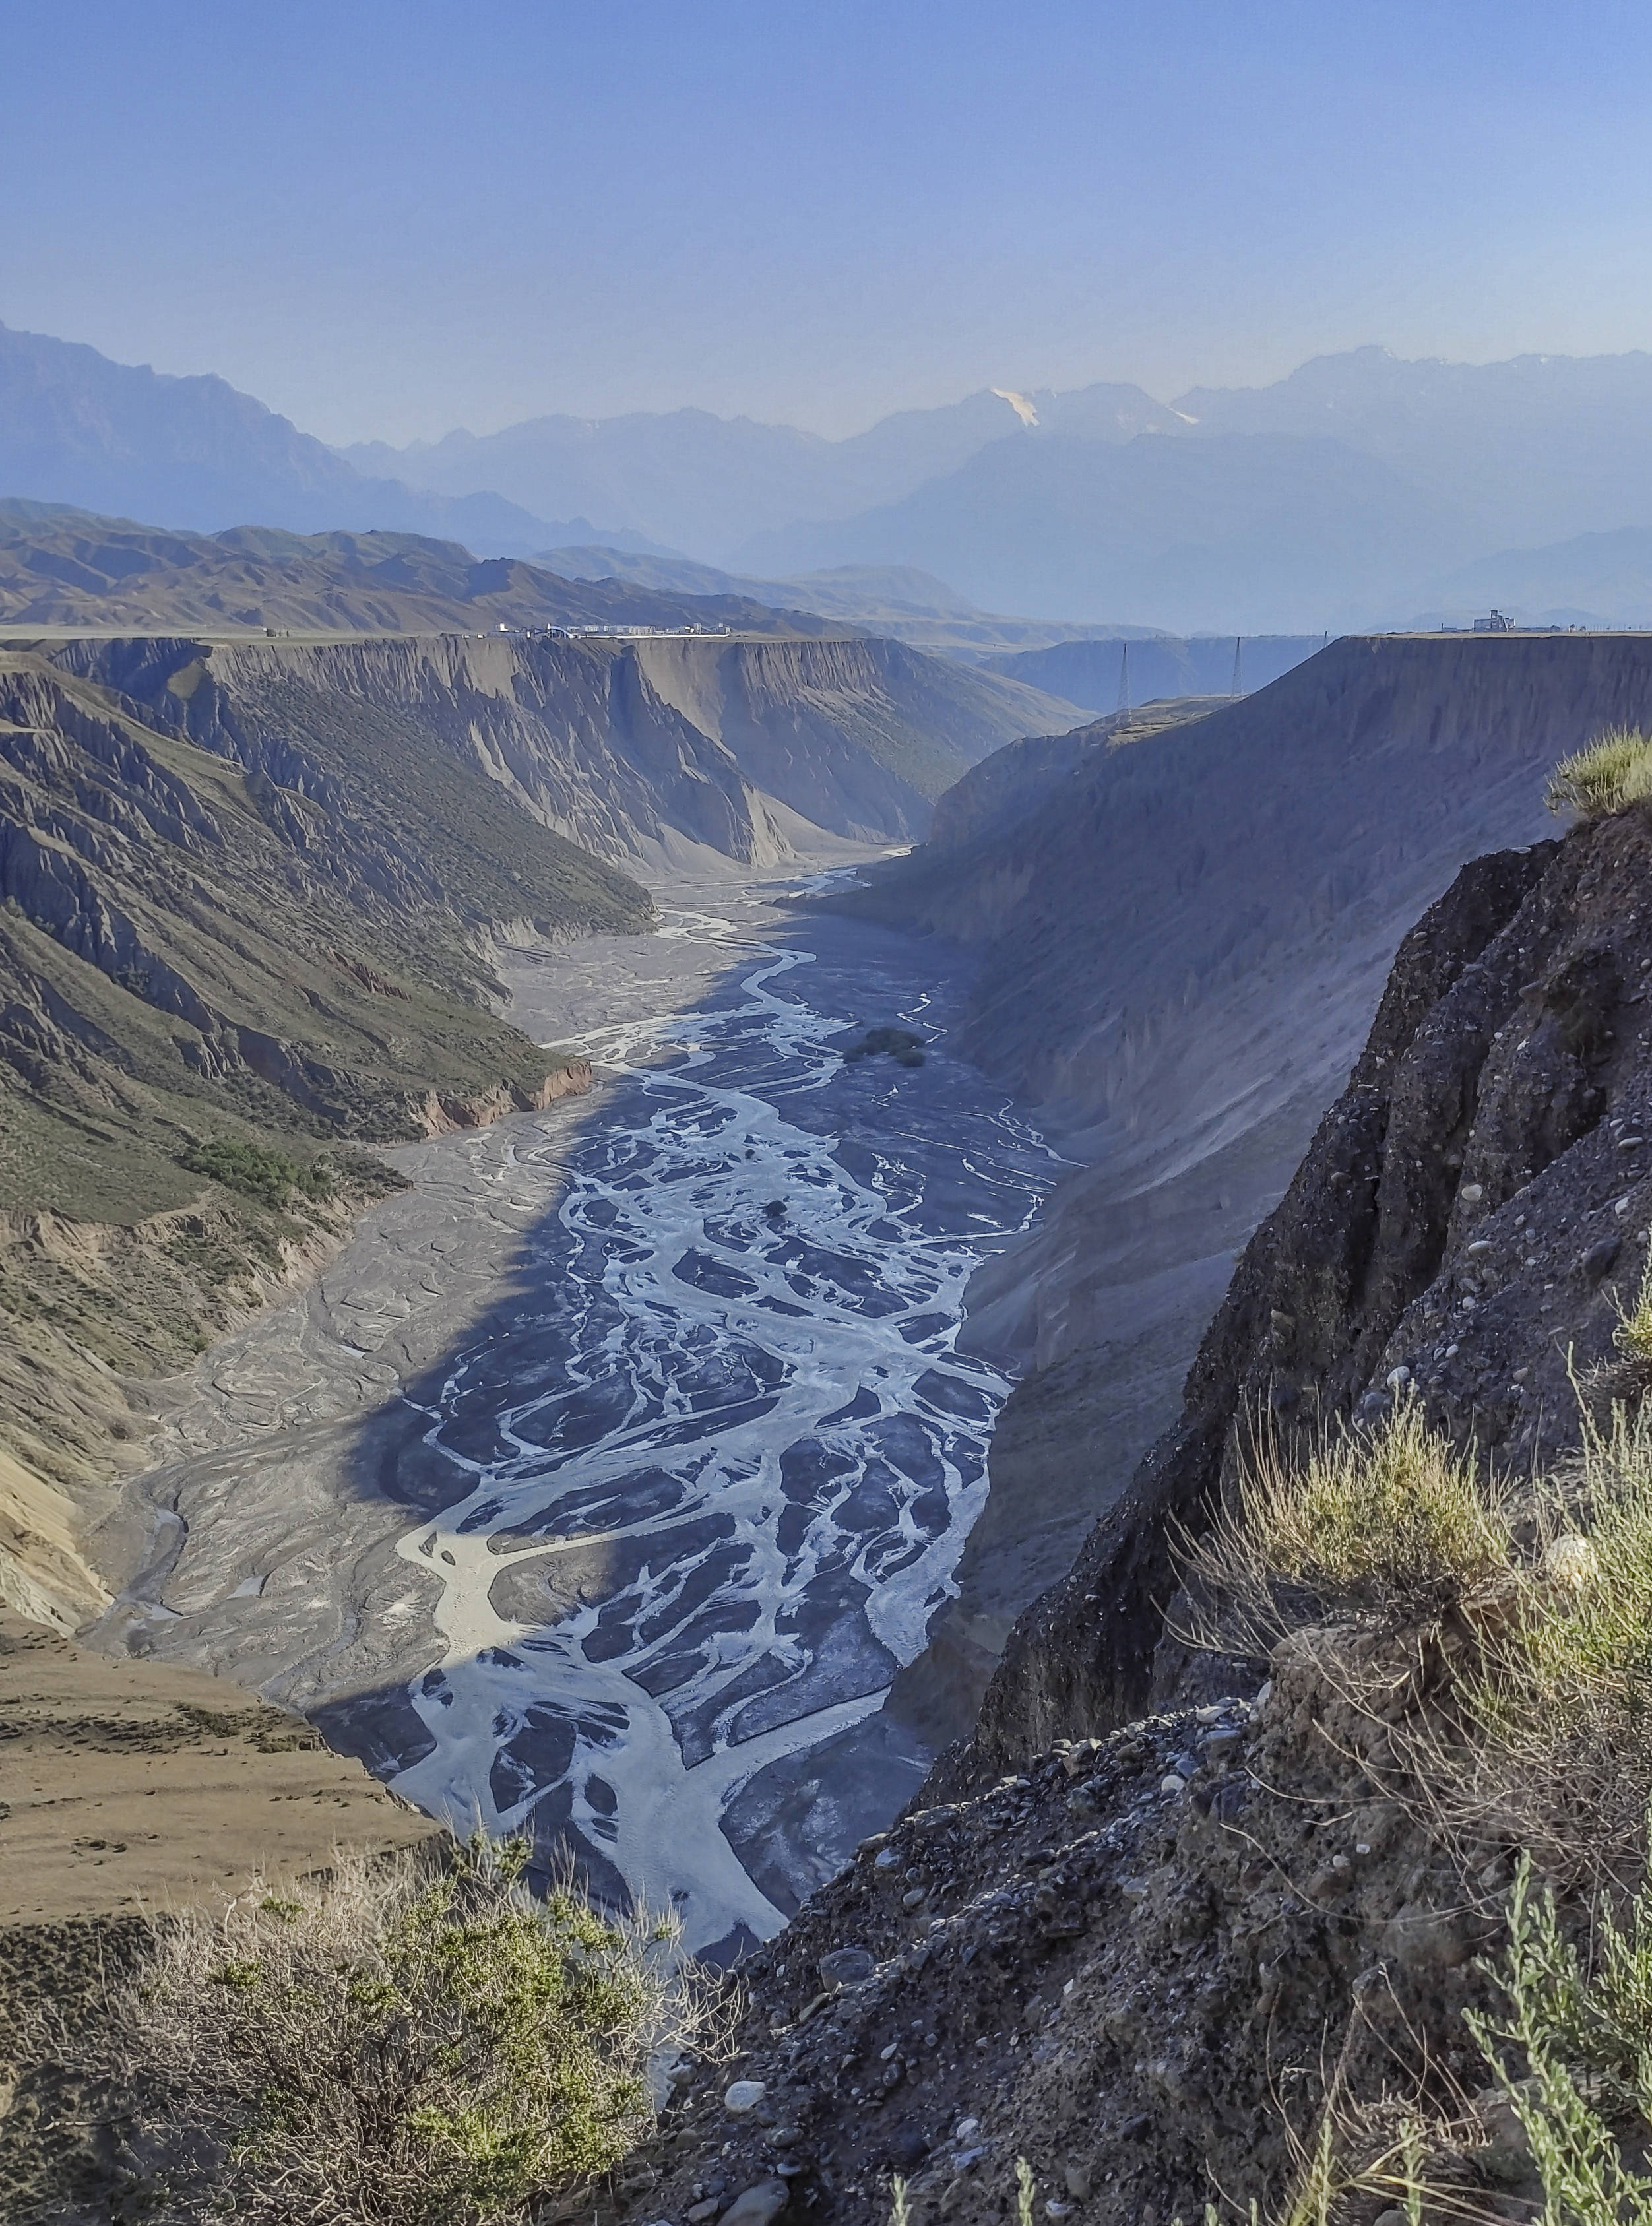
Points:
(288, 636)
(127, 1784)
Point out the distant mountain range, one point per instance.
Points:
(124, 440)
(1597, 579)
(709, 484)
(897, 599)
(1362, 489)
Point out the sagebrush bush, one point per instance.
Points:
(1583, 2036)
(1571, 2049)
(1613, 771)
(388, 2049)
(1390, 1525)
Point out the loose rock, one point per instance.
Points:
(846, 1967)
(758, 2204)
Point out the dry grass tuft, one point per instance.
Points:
(1534, 1726)
(1634, 1334)
(385, 2049)
(1390, 1527)
(1553, 1745)
(1613, 771)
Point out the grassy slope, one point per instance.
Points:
(193, 953)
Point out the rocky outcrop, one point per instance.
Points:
(441, 1116)
(1135, 1963)
(1471, 1217)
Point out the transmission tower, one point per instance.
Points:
(1238, 669)
(1124, 676)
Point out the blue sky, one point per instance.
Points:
(390, 219)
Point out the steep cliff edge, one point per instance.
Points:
(1153, 1928)
(1007, 788)
(1471, 1217)
(1181, 948)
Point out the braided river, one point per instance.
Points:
(692, 1482)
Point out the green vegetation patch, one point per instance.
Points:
(377, 2045)
(257, 1172)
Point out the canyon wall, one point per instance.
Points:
(658, 748)
(1181, 947)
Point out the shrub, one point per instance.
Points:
(1613, 771)
(900, 1044)
(386, 2048)
(1586, 2043)
(258, 1173)
(1572, 2051)
(1389, 1526)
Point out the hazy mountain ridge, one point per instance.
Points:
(897, 599)
(1535, 448)
(1482, 457)
(845, 593)
(1256, 533)
(702, 481)
(1355, 490)
(1594, 579)
(77, 428)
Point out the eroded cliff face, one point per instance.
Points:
(647, 749)
(1472, 1212)
(1181, 949)
(218, 967)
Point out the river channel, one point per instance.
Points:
(691, 1486)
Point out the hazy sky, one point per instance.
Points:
(390, 219)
